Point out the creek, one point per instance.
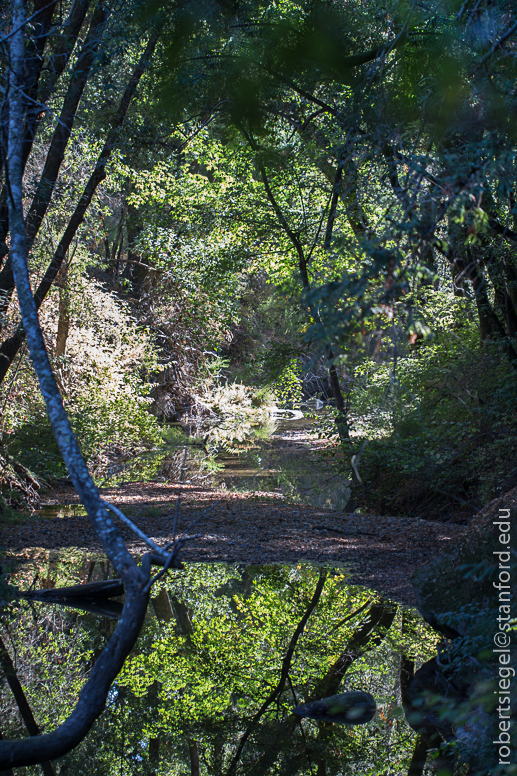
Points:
(288, 462)
(211, 650)
(280, 455)
(216, 636)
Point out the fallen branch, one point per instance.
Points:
(109, 588)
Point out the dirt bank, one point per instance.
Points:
(381, 552)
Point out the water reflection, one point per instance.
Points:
(289, 463)
(225, 655)
(283, 459)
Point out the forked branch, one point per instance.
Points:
(39, 748)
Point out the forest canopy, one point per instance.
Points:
(208, 208)
(277, 190)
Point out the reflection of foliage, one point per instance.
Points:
(224, 666)
(209, 656)
(52, 647)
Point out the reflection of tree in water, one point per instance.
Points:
(225, 655)
(182, 464)
(241, 453)
(308, 479)
(256, 459)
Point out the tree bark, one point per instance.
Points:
(54, 68)
(370, 635)
(33, 64)
(6, 771)
(136, 579)
(63, 324)
(503, 300)
(11, 345)
(336, 191)
(418, 760)
(58, 144)
(56, 152)
(63, 320)
(194, 757)
(162, 606)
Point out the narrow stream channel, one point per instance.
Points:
(289, 463)
(283, 458)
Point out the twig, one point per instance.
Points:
(29, 19)
(462, 10)
(350, 616)
(203, 514)
(172, 558)
(300, 723)
(497, 44)
(121, 516)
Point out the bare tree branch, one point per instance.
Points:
(93, 696)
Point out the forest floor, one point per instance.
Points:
(259, 528)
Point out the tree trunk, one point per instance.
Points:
(63, 324)
(194, 757)
(5, 771)
(183, 621)
(63, 130)
(162, 606)
(53, 69)
(21, 701)
(12, 344)
(369, 636)
(341, 420)
(418, 760)
(322, 768)
(154, 753)
(489, 323)
(458, 279)
(136, 580)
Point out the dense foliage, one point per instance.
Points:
(211, 651)
(223, 208)
(323, 194)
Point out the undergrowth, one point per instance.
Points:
(445, 444)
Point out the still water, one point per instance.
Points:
(210, 654)
(282, 456)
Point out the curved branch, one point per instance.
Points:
(135, 579)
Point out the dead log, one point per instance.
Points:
(109, 588)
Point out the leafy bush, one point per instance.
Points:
(441, 427)
(105, 380)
